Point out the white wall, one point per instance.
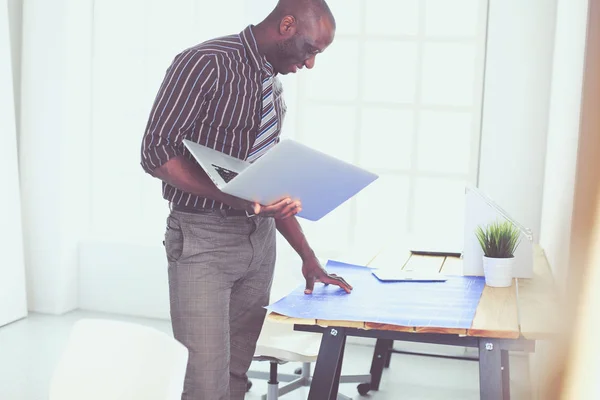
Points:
(12, 270)
(515, 111)
(131, 278)
(55, 126)
(515, 121)
(132, 50)
(563, 132)
(15, 19)
(582, 362)
(122, 262)
(571, 177)
(67, 155)
(123, 278)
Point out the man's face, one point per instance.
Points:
(300, 48)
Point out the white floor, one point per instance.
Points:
(30, 348)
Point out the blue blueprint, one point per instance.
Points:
(449, 304)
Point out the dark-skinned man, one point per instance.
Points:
(225, 94)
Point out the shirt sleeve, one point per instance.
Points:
(187, 82)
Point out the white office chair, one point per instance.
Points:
(119, 361)
(280, 344)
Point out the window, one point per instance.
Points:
(399, 92)
(134, 41)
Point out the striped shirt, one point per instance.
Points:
(212, 94)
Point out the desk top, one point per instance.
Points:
(526, 309)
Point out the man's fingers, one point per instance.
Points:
(281, 204)
(339, 281)
(340, 278)
(282, 209)
(288, 211)
(330, 279)
(310, 285)
(344, 282)
(272, 209)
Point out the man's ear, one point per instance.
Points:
(288, 26)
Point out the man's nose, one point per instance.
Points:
(310, 62)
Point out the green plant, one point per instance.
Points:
(498, 239)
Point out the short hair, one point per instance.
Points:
(303, 9)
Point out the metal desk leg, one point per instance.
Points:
(338, 373)
(490, 370)
(504, 355)
(381, 355)
(388, 359)
(325, 379)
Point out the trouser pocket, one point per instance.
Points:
(174, 240)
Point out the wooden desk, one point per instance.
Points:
(506, 319)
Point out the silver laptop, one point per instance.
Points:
(290, 169)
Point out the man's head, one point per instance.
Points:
(295, 32)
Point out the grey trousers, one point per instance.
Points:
(220, 276)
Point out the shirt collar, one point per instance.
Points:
(258, 60)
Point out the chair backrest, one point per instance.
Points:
(112, 360)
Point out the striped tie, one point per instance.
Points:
(267, 133)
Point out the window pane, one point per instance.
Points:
(445, 141)
(391, 70)
(169, 26)
(439, 207)
(347, 16)
(335, 75)
(386, 138)
(448, 74)
(451, 18)
(253, 10)
(330, 129)
(398, 17)
(332, 232)
(381, 213)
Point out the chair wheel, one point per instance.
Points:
(298, 371)
(248, 385)
(364, 388)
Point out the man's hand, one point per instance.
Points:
(280, 210)
(314, 272)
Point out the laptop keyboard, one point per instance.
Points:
(226, 174)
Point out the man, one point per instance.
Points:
(225, 94)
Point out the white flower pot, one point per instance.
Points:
(498, 271)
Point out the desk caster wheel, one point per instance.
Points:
(248, 385)
(298, 371)
(364, 388)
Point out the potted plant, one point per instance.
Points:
(498, 240)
